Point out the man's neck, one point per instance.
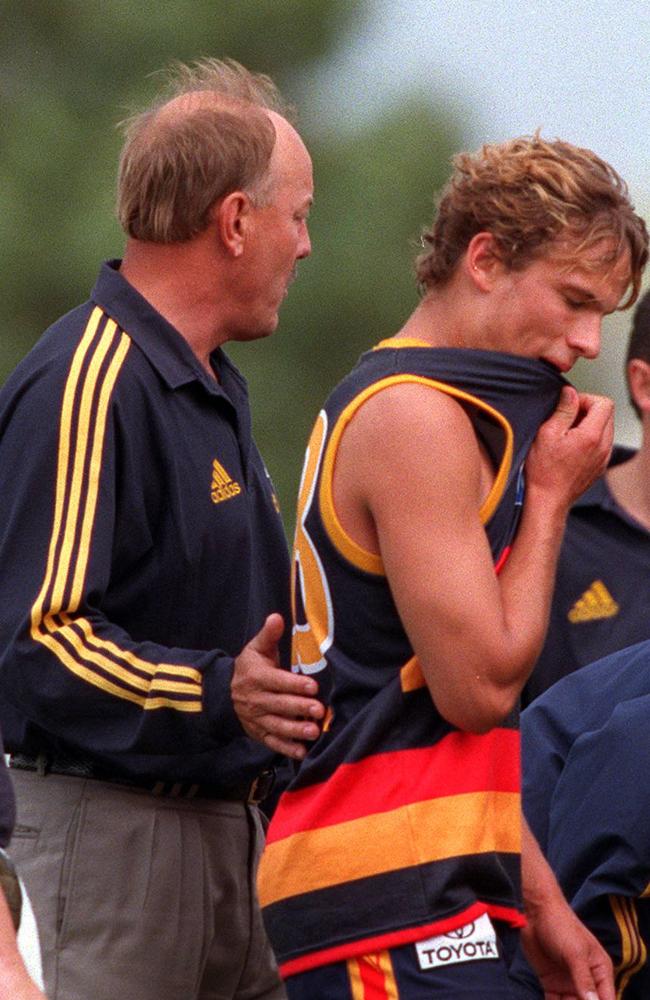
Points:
(168, 278)
(629, 482)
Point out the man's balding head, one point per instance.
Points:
(212, 132)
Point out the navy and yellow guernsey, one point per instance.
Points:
(398, 825)
(586, 757)
(140, 548)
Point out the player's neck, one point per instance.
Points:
(441, 321)
(630, 484)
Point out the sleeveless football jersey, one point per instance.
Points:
(398, 826)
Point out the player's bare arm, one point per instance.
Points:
(571, 449)
(409, 483)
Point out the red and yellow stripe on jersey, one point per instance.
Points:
(398, 826)
(372, 977)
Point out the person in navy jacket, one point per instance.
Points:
(144, 569)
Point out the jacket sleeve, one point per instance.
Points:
(63, 663)
(598, 844)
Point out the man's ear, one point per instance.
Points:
(231, 216)
(482, 261)
(638, 378)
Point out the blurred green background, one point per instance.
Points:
(71, 69)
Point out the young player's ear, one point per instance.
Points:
(231, 216)
(483, 263)
(638, 379)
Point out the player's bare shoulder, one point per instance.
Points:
(404, 447)
(406, 424)
(412, 417)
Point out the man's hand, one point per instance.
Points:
(573, 446)
(273, 705)
(570, 963)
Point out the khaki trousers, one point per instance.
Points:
(139, 897)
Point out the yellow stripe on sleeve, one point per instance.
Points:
(633, 950)
(182, 672)
(78, 480)
(63, 459)
(94, 472)
(77, 487)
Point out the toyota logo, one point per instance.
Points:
(461, 932)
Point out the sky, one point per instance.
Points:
(577, 69)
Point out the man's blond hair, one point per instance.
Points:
(529, 193)
(207, 135)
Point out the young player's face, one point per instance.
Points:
(554, 313)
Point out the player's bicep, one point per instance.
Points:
(419, 479)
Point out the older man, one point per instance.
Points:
(144, 567)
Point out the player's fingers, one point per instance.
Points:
(595, 409)
(596, 428)
(297, 718)
(592, 974)
(567, 408)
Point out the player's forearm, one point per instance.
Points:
(494, 654)
(528, 578)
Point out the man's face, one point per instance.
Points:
(278, 236)
(554, 312)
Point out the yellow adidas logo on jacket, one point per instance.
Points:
(223, 486)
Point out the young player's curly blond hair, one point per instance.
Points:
(528, 193)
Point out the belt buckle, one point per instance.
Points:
(261, 787)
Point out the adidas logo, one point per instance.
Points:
(595, 603)
(223, 487)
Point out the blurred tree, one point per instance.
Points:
(70, 70)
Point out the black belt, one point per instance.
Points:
(252, 793)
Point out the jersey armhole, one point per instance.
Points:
(371, 562)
